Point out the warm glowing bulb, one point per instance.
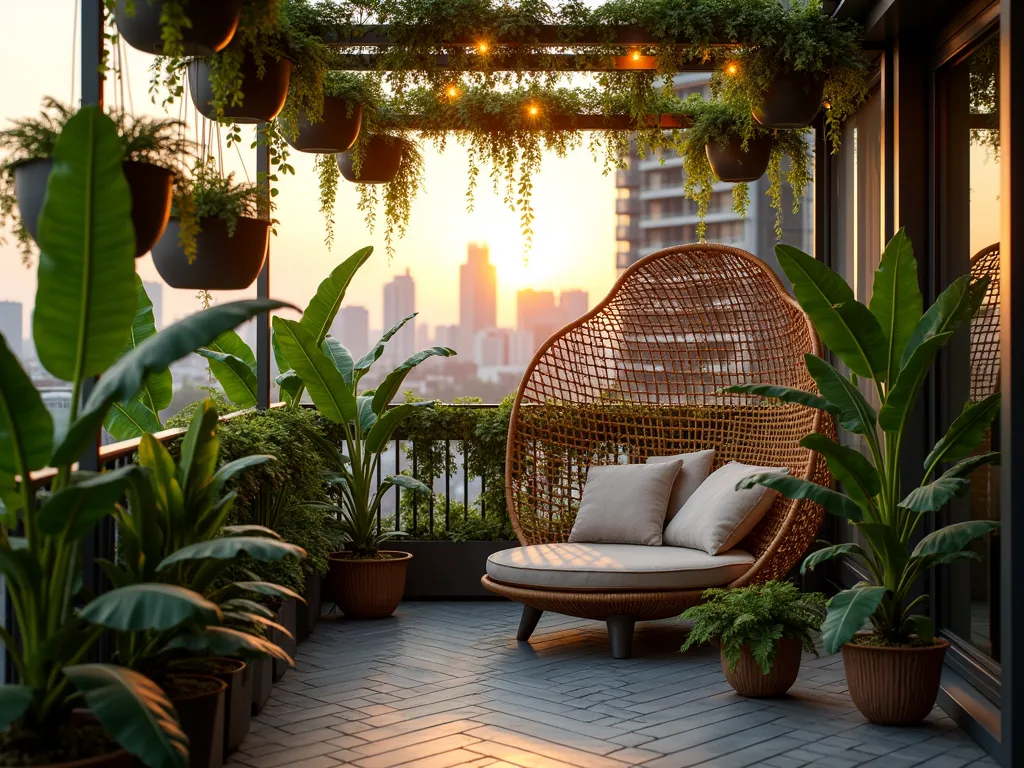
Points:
(482, 47)
(731, 69)
(828, 105)
(534, 111)
(636, 56)
(452, 91)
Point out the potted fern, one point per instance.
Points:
(761, 631)
(893, 669)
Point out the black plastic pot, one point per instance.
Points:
(381, 160)
(730, 163)
(213, 24)
(336, 132)
(262, 683)
(262, 97)
(222, 263)
(792, 101)
(151, 188)
(287, 617)
(202, 719)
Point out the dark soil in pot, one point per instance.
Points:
(368, 588)
(223, 262)
(336, 132)
(81, 743)
(732, 164)
(748, 679)
(382, 158)
(895, 685)
(199, 702)
(262, 98)
(212, 25)
(793, 100)
(237, 699)
(151, 188)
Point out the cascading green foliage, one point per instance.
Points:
(85, 310)
(890, 346)
(758, 617)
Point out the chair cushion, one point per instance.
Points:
(696, 468)
(615, 567)
(625, 503)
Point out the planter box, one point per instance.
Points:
(286, 617)
(308, 613)
(262, 682)
(447, 569)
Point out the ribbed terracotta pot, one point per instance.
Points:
(748, 679)
(894, 686)
(369, 589)
(792, 101)
(732, 164)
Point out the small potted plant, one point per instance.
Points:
(761, 631)
(893, 670)
(723, 143)
(152, 149)
(218, 236)
(176, 27)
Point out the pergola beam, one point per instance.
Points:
(556, 123)
(551, 35)
(558, 62)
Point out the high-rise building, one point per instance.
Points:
(537, 313)
(478, 294)
(351, 327)
(652, 213)
(155, 291)
(572, 305)
(11, 325)
(400, 302)
(447, 336)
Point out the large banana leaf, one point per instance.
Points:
(855, 413)
(847, 613)
(14, 700)
(267, 588)
(124, 379)
(965, 433)
(845, 325)
(388, 388)
(230, 547)
(83, 313)
(200, 449)
(166, 490)
(331, 395)
(134, 711)
(364, 363)
(951, 309)
(225, 641)
(785, 394)
(237, 379)
(340, 356)
(76, 508)
(901, 397)
(896, 300)
(858, 476)
(815, 559)
(131, 418)
(798, 488)
(388, 422)
(936, 494)
(230, 343)
(323, 307)
(26, 427)
(953, 538)
(138, 607)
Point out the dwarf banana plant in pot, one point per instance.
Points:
(888, 346)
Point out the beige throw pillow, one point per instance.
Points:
(625, 504)
(717, 516)
(696, 468)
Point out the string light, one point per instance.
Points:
(533, 110)
(828, 105)
(636, 55)
(731, 69)
(482, 47)
(453, 92)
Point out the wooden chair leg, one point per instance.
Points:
(528, 622)
(620, 635)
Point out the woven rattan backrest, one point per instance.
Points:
(985, 326)
(640, 375)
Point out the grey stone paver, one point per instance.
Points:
(442, 684)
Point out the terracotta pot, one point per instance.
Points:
(262, 97)
(894, 686)
(213, 24)
(337, 130)
(748, 679)
(202, 719)
(792, 101)
(730, 163)
(381, 161)
(150, 187)
(369, 589)
(222, 263)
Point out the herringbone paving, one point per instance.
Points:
(445, 684)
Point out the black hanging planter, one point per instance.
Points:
(382, 158)
(262, 97)
(213, 24)
(731, 164)
(792, 101)
(222, 263)
(336, 132)
(151, 188)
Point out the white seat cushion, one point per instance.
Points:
(615, 567)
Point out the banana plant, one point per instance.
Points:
(174, 532)
(890, 346)
(84, 309)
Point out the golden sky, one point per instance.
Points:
(574, 229)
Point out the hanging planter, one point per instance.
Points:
(151, 188)
(792, 101)
(211, 25)
(336, 132)
(732, 163)
(381, 159)
(223, 262)
(262, 98)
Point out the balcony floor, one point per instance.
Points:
(446, 684)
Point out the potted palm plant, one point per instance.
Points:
(86, 213)
(893, 669)
(761, 631)
(152, 149)
(177, 27)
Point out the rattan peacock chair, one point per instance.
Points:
(639, 376)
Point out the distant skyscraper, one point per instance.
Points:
(478, 294)
(572, 305)
(399, 302)
(155, 291)
(11, 325)
(422, 336)
(537, 313)
(447, 336)
(351, 327)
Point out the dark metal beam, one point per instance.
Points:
(262, 321)
(379, 35)
(558, 62)
(559, 123)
